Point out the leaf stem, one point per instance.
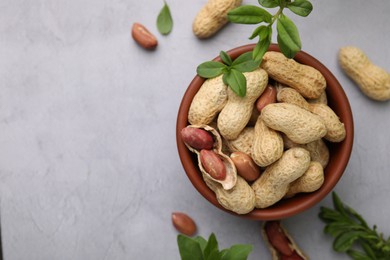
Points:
(276, 16)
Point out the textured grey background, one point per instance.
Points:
(88, 161)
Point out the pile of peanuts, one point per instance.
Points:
(255, 150)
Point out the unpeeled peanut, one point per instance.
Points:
(291, 96)
(212, 17)
(183, 223)
(274, 182)
(243, 142)
(267, 144)
(213, 164)
(197, 138)
(240, 199)
(310, 181)
(335, 129)
(143, 37)
(300, 125)
(208, 101)
(372, 80)
(305, 79)
(236, 113)
(318, 149)
(323, 99)
(245, 166)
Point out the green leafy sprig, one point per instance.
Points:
(199, 248)
(352, 233)
(287, 37)
(232, 70)
(164, 20)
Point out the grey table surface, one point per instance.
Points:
(88, 162)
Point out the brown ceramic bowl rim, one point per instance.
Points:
(340, 152)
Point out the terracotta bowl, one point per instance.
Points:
(339, 152)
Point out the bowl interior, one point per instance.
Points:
(339, 152)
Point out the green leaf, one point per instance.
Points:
(202, 242)
(300, 7)
(344, 241)
(338, 205)
(357, 255)
(329, 215)
(214, 255)
(164, 20)
(237, 252)
(245, 63)
(357, 216)
(224, 251)
(288, 36)
(210, 69)
(265, 34)
(224, 77)
(269, 3)
(352, 232)
(249, 14)
(225, 58)
(189, 248)
(211, 246)
(236, 81)
(255, 33)
(336, 228)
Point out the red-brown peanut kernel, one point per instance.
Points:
(245, 166)
(213, 164)
(183, 223)
(197, 138)
(268, 97)
(277, 238)
(143, 37)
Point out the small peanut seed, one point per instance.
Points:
(246, 167)
(197, 138)
(183, 223)
(268, 97)
(143, 37)
(277, 238)
(213, 164)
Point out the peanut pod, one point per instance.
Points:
(267, 144)
(300, 125)
(335, 129)
(243, 142)
(372, 80)
(308, 81)
(214, 171)
(208, 101)
(212, 17)
(310, 181)
(280, 243)
(274, 183)
(236, 113)
(240, 199)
